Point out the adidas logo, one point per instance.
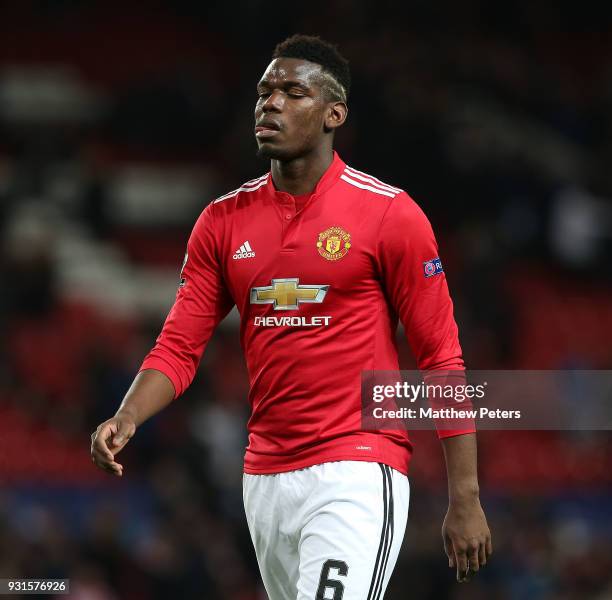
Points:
(245, 251)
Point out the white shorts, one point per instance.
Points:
(330, 531)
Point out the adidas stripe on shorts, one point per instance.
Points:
(332, 531)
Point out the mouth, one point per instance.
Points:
(266, 129)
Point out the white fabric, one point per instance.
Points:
(334, 511)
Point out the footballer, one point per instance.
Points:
(322, 260)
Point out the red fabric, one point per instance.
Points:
(305, 381)
(300, 201)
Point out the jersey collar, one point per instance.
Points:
(329, 178)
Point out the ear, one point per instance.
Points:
(335, 115)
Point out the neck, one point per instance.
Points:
(300, 176)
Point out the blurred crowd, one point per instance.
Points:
(119, 123)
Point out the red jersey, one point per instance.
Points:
(319, 290)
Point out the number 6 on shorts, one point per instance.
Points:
(325, 582)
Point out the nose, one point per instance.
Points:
(274, 102)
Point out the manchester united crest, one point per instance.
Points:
(334, 243)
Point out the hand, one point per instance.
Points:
(467, 538)
(108, 440)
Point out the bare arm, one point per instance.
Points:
(466, 535)
(150, 392)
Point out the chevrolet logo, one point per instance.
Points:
(287, 294)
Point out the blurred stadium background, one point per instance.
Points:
(120, 121)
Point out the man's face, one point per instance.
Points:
(291, 109)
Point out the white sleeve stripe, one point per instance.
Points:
(371, 182)
(242, 189)
(254, 181)
(367, 187)
(365, 177)
(248, 184)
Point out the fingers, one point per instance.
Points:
(113, 467)
(489, 546)
(101, 455)
(473, 558)
(448, 548)
(461, 560)
(482, 554)
(99, 441)
(469, 557)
